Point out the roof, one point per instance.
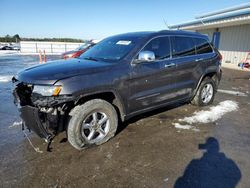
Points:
(226, 17)
(162, 32)
(135, 34)
(177, 32)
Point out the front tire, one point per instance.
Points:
(92, 123)
(205, 94)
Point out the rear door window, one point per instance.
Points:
(182, 46)
(160, 46)
(202, 46)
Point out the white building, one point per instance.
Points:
(228, 29)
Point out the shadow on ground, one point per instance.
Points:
(123, 125)
(214, 169)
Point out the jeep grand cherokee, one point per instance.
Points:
(118, 78)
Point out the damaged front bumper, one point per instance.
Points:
(46, 116)
(31, 119)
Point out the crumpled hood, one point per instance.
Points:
(53, 71)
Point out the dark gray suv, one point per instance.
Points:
(118, 78)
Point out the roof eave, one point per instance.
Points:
(218, 24)
(214, 19)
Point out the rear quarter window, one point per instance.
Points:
(202, 46)
(182, 46)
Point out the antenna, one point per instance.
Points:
(166, 24)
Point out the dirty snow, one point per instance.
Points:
(16, 123)
(5, 78)
(207, 116)
(213, 114)
(109, 155)
(179, 126)
(165, 180)
(238, 93)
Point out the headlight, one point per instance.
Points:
(47, 90)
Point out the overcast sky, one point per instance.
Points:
(95, 19)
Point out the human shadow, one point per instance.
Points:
(213, 170)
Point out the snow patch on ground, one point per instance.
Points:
(16, 123)
(207, 116)
(213, 114)
(8, 52)
(179, 126)
(238, 93)
(165, 180)
(13, 52)
(187, 127)
(5, 78)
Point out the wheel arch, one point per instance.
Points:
(107, 95)
(213, 75)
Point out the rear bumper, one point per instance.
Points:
(30, 117)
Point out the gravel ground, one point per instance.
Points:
(148, 151)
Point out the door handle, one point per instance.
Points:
(169, 65)
(200, 59)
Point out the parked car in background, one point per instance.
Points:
(17, 48)
(120, 77)
(6, 48)
(78, 51)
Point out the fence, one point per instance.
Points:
(49, 47)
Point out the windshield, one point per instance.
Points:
(111, 49)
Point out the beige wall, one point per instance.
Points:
(234, 42)
(208, 32)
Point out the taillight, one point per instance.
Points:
(220, 56)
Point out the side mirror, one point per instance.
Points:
(146, 56)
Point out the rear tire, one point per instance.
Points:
(92, 123)
(205, 93)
